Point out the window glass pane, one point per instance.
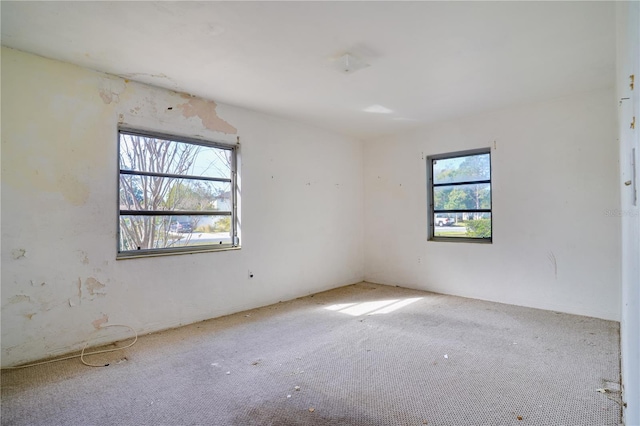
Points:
(159, 232)
(462, 169)
(463, 225)
(462, 197)
(148, 154)
(160, 193)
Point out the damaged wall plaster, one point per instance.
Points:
(94, 287)
(59, 188)
(206, 112)
(110, 89)
(100, 321)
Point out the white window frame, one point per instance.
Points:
(233, 180)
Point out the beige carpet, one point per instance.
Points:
(361, 355)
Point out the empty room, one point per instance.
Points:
(320, 213)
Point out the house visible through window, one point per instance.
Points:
(176, 195)
(459, 196)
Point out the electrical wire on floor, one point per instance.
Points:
(606, 391)
(83, 353)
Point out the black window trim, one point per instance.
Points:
(235, 241)
(430, 196)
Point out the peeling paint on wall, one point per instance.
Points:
(110, 90)
(107, 97)
(94, 286)
(206, 111)
(85, 257)
(58, 124)
(102, 320)
(137, 75)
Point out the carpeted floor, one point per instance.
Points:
(360, 355)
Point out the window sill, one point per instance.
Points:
(461, 240)
(157, 253)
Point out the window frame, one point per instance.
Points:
(430, 196)
(234, 244)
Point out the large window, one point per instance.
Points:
(176, 195)
(459, 196)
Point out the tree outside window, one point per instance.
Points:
(175, 195)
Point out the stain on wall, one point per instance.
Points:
(75, 192)
(206, 112)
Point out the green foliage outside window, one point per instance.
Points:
(479, 228)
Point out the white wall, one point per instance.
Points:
(59, 211)
(555, 171)
(555, 174)
(628, 26)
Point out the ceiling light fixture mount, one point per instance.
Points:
(349, 63)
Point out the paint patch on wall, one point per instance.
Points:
(84, 256)
(19, 298)
(79, 290)
(206, 112)
(94, 287)
(18, 253)
(102, 320)
(554, 263)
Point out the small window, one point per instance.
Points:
(176, 195)
(459, 196)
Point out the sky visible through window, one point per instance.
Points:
(174, 194)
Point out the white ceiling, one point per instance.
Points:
(429, 61)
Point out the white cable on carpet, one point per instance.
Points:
(83, 354)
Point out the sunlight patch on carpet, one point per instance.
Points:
(373, 307)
